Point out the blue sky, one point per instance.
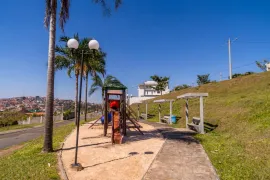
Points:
(177, 38)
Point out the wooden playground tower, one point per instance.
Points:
(119, 115)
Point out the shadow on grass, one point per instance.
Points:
(149, 116)
(208, 127)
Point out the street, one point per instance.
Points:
(15, 138)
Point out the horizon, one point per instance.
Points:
(176, 39)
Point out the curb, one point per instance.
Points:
(211, 165)
(61, 167)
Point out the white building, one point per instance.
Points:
(267, 66)
(146, 91)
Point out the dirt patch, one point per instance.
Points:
(11, 149)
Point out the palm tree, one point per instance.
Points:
(50, 23)
(98, 83)
(93, 66)
(162, 82)
(70, 59)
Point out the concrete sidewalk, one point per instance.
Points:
(163, 153)
(181, 157)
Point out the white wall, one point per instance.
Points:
(134, 100)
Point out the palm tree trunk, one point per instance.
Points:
(76, 97)
(48, 131)
(86, 86)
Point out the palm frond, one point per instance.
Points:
(106, 8)
(64, 39)
(47, 13)
(64, 13)
(61, 62)
(69, 71)
(117, 3)
(92, 90)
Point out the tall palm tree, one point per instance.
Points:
(50, 23)
(70, 59)
(93, 66)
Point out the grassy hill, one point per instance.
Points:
(239, 147)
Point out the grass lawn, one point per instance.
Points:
(30, 163)
(240, 108)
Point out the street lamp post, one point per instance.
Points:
(74, 44)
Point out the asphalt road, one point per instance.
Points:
(15, 138)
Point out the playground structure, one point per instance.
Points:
(115, 105)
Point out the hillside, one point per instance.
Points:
(240, 108)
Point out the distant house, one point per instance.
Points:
(146, 91)
(267, 66)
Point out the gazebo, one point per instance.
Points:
(197, 123)
(159, 108)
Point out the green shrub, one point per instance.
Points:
(9, 118)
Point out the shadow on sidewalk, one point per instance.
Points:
(86, 145)
(107, 162)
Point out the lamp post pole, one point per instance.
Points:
(79, 113)
(73, 43)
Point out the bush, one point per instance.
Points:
(68, 115)
(244, 74)
(180, 87)
(203, 79)
(9, 118)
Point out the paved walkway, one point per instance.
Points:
(175, 155)
(181, 157)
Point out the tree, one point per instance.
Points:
(203, 79)
(180, 87)
(70, 59)
(50, 23)
(162, 82)
(93, 66)
(262, 65)
(98, 83)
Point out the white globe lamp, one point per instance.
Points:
(73, 43)
(93, 44)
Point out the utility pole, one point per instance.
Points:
(220, 76)
(230, 58)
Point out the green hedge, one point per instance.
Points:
(9, 118)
